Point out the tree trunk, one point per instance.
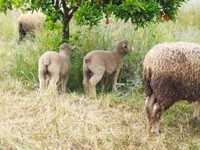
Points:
(66, 22)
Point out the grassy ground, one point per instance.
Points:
(29, 120)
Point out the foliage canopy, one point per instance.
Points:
(90, 12)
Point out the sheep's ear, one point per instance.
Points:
(73, 47)
(124, 45)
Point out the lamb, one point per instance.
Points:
(99, 62)
(171, 72)
(30, 23)
(53, 69)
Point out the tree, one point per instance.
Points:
(90, 12)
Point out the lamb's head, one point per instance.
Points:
(65, 49)
(123, 47)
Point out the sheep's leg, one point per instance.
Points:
(153, 111)
(59, 86)
(42, 84)
(22, 32)
(63, 84)
(155, 119)
(85, 82)
(148, 106)
(104, 83)
(149, 102)
(42, 80)
(53, 83)
(116, 75)
(22, 36)
(47, 80)
(93, 81)
(196, 106)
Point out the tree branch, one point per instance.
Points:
(72, 11)
(65, 8)
(56, 4)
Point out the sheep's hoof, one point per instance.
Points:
(154, 132)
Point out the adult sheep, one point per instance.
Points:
(171, 72)
(30, 23)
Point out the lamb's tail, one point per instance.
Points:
(21, 31)
(87, 72)
(20, 27)
(147, 73)
(46, 63)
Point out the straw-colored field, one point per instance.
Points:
(32, 121)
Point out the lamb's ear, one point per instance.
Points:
(73, 46)
(125, 45)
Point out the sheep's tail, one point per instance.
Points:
(87, 72)
(46, 63)
(20, 27)
(147, 73)
(87, 60)
(21, 31)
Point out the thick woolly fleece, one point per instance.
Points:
(171, 72)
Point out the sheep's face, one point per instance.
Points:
(123, 47)
(66, 48)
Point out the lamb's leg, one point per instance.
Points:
(86, 82)
(59, 86)
(21, 36)
(53, 83)
(104, 83)
(63, 84)
(93, 81)
(22, 32)
(47, 80)
(116, 75)
(42, 80)
(196, 106)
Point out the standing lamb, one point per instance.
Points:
(30, 23)
(171, 72)
(99, 62)
(53, 69)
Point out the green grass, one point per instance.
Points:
(186, 28)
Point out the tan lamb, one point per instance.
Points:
(97, 63)
(53, 69)
(29, 23)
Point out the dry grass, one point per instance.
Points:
(29, 120)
